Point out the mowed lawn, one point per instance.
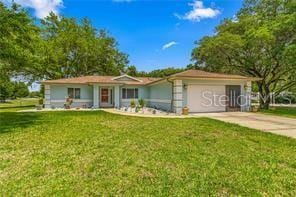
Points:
(97, 153)
(18, 104)
(281, 111)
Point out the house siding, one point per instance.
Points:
(59, 93)
(160, 96)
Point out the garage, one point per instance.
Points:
(206, 98)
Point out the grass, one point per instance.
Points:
(281, 111)
(97, 153)
(18, 104)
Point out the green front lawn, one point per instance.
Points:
(97, 153)
(18, 104)
(281, 111)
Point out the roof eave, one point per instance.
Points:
(125, 75)
(90, 83)
(156, 81)
(217, 78)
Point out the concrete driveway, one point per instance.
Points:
(267, 123)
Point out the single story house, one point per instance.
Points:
(198, 90)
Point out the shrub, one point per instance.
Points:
(285, 98)
(137, 109)
(142, 102)
(133, 104)
(40, 101)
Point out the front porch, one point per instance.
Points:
(106, 96)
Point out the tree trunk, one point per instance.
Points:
(264, 99)
(264, 103)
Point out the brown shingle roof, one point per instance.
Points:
(101, 79)
(199, 74)
(204, 74)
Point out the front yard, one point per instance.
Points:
(281, 111)
(18, 104)
(95, 153)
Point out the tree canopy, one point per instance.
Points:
(58, 47)
(132, 71)
(259, 42)
(18, 38)
(75, 48)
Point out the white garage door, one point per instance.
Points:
(206, 98)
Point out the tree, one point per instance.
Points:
(261, 42)
(6, 88)
(35, 94)
(18, 41)
(73, 49)
(20, 90)
(132, 71)
(164, 72)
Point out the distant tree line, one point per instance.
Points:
(13, 90)
(132, 71)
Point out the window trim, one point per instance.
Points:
(74, 93)
(135, 96)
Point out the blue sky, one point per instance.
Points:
(155, 34)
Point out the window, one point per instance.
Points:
(74, 93)
(129, 93)
(71, 92)
(77, 93)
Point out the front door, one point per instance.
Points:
(104, 95)
(233, 93)
(106, 98)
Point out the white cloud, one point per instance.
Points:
(42, 7)
(198, 12)
(234, 19)
(168, 45)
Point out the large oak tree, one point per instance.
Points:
(75, 48)
(259, 42)
(55, 47)
(19, 38)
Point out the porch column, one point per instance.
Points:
(96, 96)
(46, 101)
(248, 91)
(116, 97)
(178, 96)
